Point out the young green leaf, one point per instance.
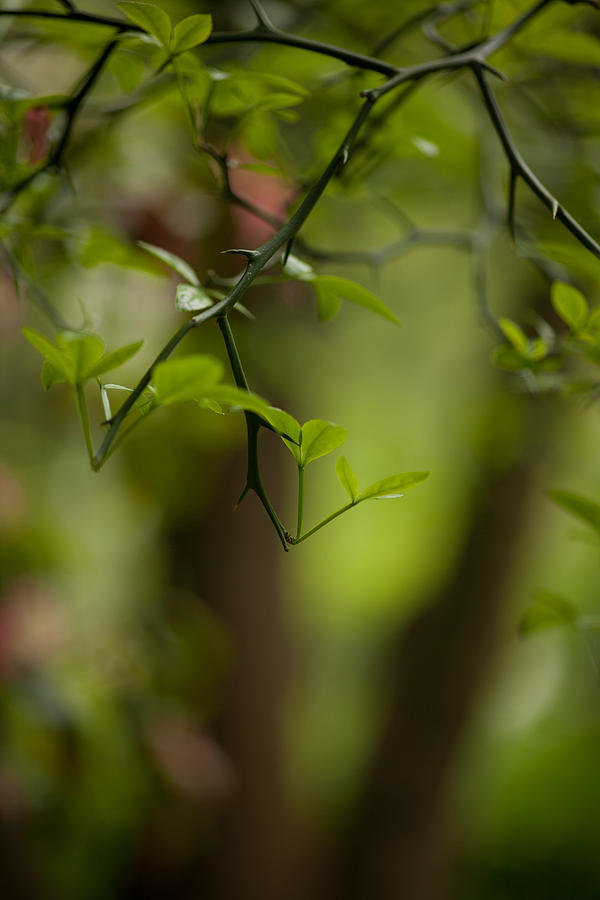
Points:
(570, 305)
(150, 18)
(50, 375)
(234, 397)
(515, 335)
(115, 359)
(174, 262)
(548, 611)
(328, 302)
(347, 478)
(283, 423)
(84, 351)
(54, 356)
(191, 299)
(297, 268)
(355, 293)
(392, 487)
(190, 33)
(319, 438)
(586, 510)
(187, 378)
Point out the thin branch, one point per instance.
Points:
(520, 167)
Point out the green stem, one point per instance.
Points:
(323, 523)
(300, 502)
(100, 457)
(84, 419)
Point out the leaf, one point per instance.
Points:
(570, 305)
(236, 397)
(284, 423)
(392, 487)
(83, 351)
(187, 378)
(150, 18)
(299, 269)
(174, 262)
(115, 359)
(355, 293)
(190, 33)
(319, 438)
(508, 358)
(515, 335)
(586, 510)
(100, 246)
(51, 376)
(328, 303)
(190, 298)
(347, 478)
(548, 611)
(53, 355)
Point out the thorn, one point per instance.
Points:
(554, 208)
(287, 251)
(344, 156)
(249, 254)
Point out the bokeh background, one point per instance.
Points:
(187, 711)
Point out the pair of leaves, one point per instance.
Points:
(521, 352)
(314, 439)
(76, 357)
(187, 34)
(332, 289)
(387, 489)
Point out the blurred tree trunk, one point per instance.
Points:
(398, 846)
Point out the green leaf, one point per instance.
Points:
(548, 611)
(392, 487)
(150, 18)
(586, 510)
(284, 423)
(190, 33)
(328, 302)
(347, 478)
(508, 358)
(187, 378)
(53, 355)
(174, 262)
(115, 359)
(190, 299)
(100, 246)
(355, 293)
(319, 438)
(570, 305)
(515, 335)
(235, 397)
(51, 376)
(83, 351)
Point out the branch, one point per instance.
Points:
(519, 168)
(72, 107)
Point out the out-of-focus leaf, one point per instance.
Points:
(548, 611)
(56, 358)
(570, 305)
(174, 262)
(328, 302)
(114, 359)
(355, 293)
(150, 17)
(347, 478)
(515, 335)
(83, 351)
(190, 33)
(586, 510)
